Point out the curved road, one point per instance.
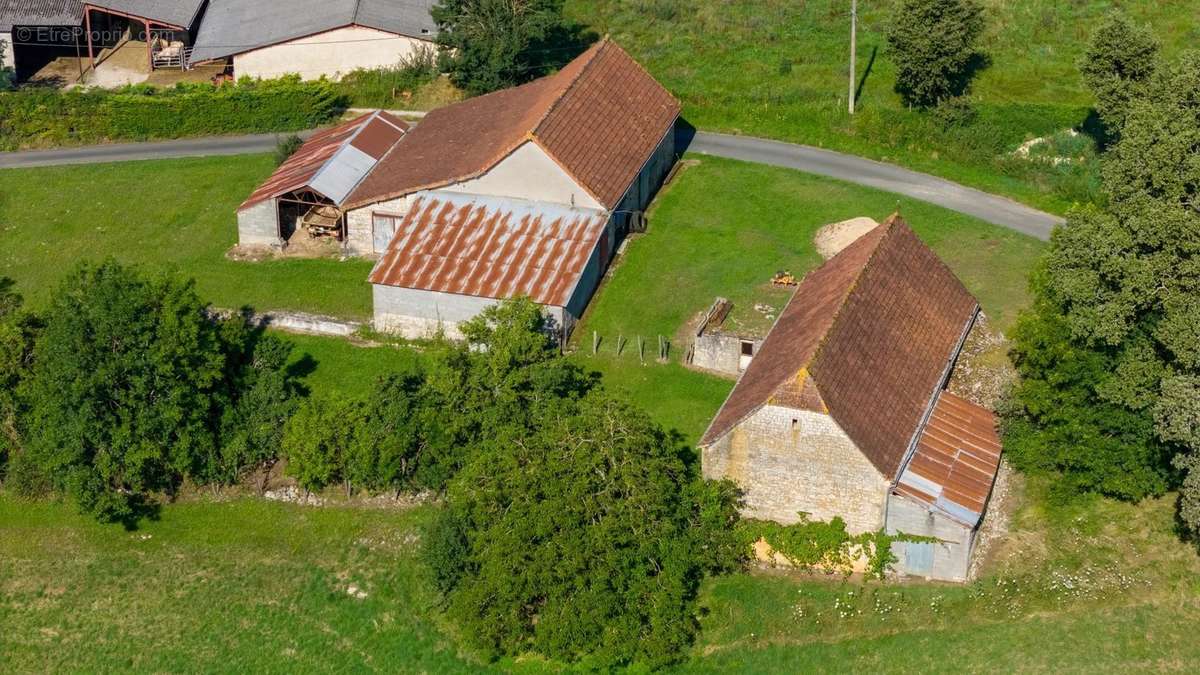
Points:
(988, 207)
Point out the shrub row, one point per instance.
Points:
(45, 118)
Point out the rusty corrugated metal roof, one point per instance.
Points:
(956, 460)
(334, 161)
(491, 247)
(600, 118)
(874, 329)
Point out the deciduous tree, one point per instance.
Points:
(934, 44)
(1111, 354)
(1117, 66)
(126, 375)
(492, 44)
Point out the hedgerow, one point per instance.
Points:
(46, 118)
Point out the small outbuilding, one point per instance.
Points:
(304, 197)
(844, 410)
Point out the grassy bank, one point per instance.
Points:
(779, 68)
(251, 585)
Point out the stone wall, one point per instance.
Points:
(951, 554)
(360, 227)
(259, 225)
(790, 461)
(720, 352)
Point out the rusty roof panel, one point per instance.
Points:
(956, 460)
(491, 247)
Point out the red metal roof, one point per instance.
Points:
(867, 337)
(372, 134)
(491, 247)
(956, 460)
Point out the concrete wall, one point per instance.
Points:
(332, 54)
(721, 352)
(528, 173)
(258, 225)
(951, 555)
(790, 461)
(360, 228)
(417, 314)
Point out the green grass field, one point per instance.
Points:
(245, 585)
(165, 215)
(779, 68)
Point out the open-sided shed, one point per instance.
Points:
(312, 185)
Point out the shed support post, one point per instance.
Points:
(87, 26)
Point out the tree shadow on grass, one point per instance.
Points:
(862, 81)
(1094, 128)
(140, 508)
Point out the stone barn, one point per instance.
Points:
(844, 409)
(524, 191)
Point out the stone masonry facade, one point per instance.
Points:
(792, 461)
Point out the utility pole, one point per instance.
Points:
(853, 49)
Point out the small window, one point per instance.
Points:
(747, 348)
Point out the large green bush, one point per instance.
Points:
(934, 46)
(44, 118)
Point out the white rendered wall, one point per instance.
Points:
(528, 173)
(332, 54)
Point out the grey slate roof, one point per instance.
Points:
(182, 13)
(39, 13)
(237, 26)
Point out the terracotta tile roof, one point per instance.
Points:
(600, 118)
(873, 330)
(956, 460)
(370, 135)
(491, 247)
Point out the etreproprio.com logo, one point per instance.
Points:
(57, 35)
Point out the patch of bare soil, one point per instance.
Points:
(835, 237)
(983, 374)
(994, 530)
(300, 246)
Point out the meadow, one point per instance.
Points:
(780, 69)
(233, 584)
(224, 582)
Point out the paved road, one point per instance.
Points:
(993, 209)
(999, 210)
